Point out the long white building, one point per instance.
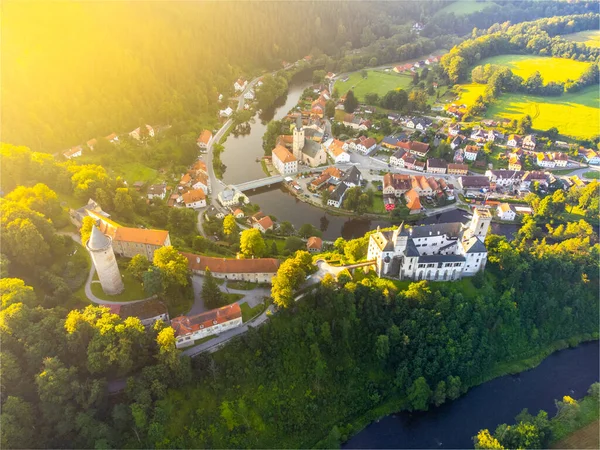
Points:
(447, 251)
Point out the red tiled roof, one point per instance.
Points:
(184, 325)
(314, 242)
(224, 265)
(265, 223)
(412, 200)
(204, 137)
(193, 195)
(283, 154)
(141, 235)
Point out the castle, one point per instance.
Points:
(306, 150)
(447, 251)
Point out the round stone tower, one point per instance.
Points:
(100, 247)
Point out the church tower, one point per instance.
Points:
(103, 256)
(298, 143)
(480, 224)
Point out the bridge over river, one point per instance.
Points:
(262, 182)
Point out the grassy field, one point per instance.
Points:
(377, 81)
(590, 38)
(586, 437)
(133, 289)
(552, 69)
(574, 114)
(248, 313)
(463, 8)
(132, 172)
(468, 93)
(592, 175)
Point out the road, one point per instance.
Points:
(253, 297)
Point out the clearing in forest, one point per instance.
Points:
(377, 81)
(591, 38)
(552, 69)
(463, 8)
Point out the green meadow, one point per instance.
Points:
(574, 115)
(463, 8)
(590, 38)
(377, 81)
(552, 69)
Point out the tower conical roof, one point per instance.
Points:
(97, 240)
(299, 122)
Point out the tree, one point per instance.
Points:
(211, 293)
(138, 265)
(439, 395)
(484, 440)
(524, 125)
(307, 230)
(454, 387)
(330, 108)
(318, 76)
(39, 198)
(123, 202)
(14, 290)
(271, 135)
(382, 347)
(285, 228)
(294, 243)
(252, 243)
(173, 266)
(229, 225)
(372, 98)
(350, 103)
(152, 281)
(418, 395)
(86, 229)
(182, 221)
(18, 424)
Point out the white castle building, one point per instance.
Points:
(103, 256)
(447, 251)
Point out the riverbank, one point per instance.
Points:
(398, 404)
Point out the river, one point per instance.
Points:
(452, 425)
(240, 158)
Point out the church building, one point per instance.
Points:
(306, 150)
(438, 252)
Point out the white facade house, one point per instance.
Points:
(505, 212)
(74, 152)
(240, 84)
(157, 191)
(190, 328)
(194, 198)
(471, 152)
(249, 95)
(337, 196)
(135, 134)
(590, 156)
(227, 112)
(437, 252)
(366, 146)
(284, 161)
(505, 178)
(231, 196)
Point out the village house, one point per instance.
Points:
(409, 161)
(148, 311)
(457, 142)
(479, 135)
(529, 142)
(419, 165)
(459, 156)
(240, 84)
(590, 156)
(112, 138)
(191, 328)
(264, 224)
(474, 184)
(454, 129)
(194, 198)
(201, 180)
(357, 123)
(335, 148)
(73, 152)
(330, 76)
(227, 112)
(436, 165)
(458, 169)
(238, 213)
(284, 161)
(314, 244)
(505, 212)
(533, 177)
(157, 191)
(257, 270)
(421, 186)
(471, 152)
(135, 134)
(77, 215)
(514, 140)
(396, 184)
(545, 160)
(92, 143)
(352, 177)
(337, 196)
(249, 95)
(231, 196)
(418, 123)
(505, 178)
(494, 136)
(396, 158)
(560, 159)
(413, 203)
(366, 145)
(514, 163)
(204, 139)
(333, 173)
(417, 148)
